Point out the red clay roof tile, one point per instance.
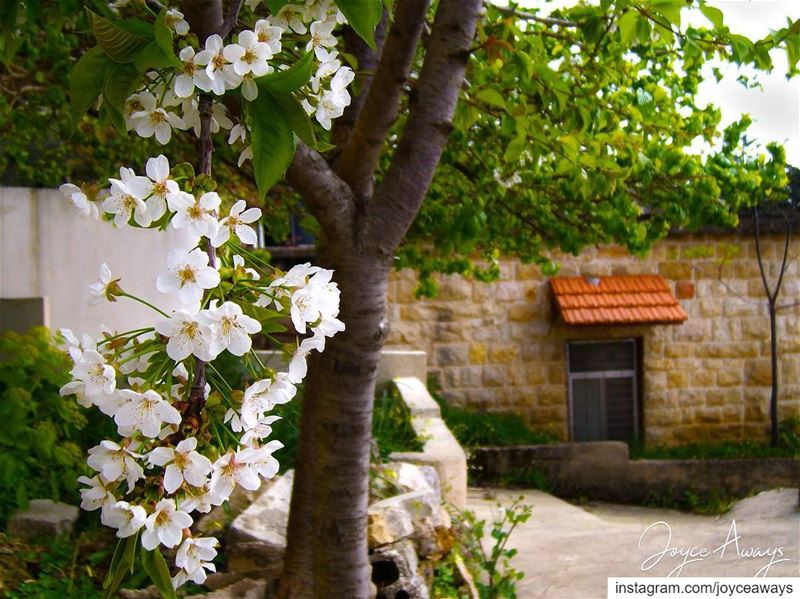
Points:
(621, 299)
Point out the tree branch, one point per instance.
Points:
(230, 20)
(203, 16)
(367, 63)
(360, 155)
(398, 199)
(529, 16)
(328, 198)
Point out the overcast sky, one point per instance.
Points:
(775, 110)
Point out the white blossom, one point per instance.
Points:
(269, 34)
(155, 120)
(127, 198)
(187, 336)
(263, 395)
(195, 554)
(189, 274)
(95, 373)
(165, 525)
(249, 55)
(183, 464)
(190, 74)
(237, 223)
(261, 430)
(146, 412)
(318, 299)
(231, 328)
(97, 494)
(230, 471)
(80, 201)
(174, 19)
(100, 288)
(198, 216)
(242, 271)
(200, 499)
(127, 518)
(161, 188)
(289, 17)
(321, 38)
(218, 68)
(261, 458)
(115, 463)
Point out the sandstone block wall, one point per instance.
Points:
(500, 347)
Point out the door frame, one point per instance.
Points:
(602, 374)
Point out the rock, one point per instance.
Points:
(257, 538)
(411, 477)
(244, 589)
(416, 515)
(146, 593)
(43, 518)
(387, 524)
(216, 521)
(394, 572)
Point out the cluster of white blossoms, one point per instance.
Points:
(170, 100)
(151, 480)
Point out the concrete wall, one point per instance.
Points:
(500, 347)
(48, 250)
(603, 471)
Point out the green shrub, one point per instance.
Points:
(489, 567)
(43, 436)
(391, 424)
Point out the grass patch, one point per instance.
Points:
(788, 447)
(526, 478)
(391, 424)
(710, 504)
(485, 429)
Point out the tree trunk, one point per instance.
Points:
(333, 458)
(773, 400)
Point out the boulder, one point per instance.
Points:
(394, 572)
(257, 537)
(244, 589)
(43, 518)
(214, 523)
(416, 515)
(387, 524)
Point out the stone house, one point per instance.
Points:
(693, 372)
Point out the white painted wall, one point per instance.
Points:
(48, 249)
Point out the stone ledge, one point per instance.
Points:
(440, 448)
(599, 471)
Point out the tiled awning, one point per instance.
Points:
(626, 299)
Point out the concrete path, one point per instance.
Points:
(568, 551)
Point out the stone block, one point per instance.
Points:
(455, 287)
(477, 353)
(509, 291)
(679, 350)
(387, 524)
(730, 377)
(758, 372)
(678, 379)
(451, 355)
(495, 376)
(528, 272)
(675, 270)
(702, 378)
(20, 314)
(503, 354)
(416, 397)
(257, 537)
(42, 519)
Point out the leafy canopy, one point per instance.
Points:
(575, 130)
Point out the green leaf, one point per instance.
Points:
(119, 44)
(121, 562)
(670, 10)
(86, 80)
(273, 141)
(121, 81)
(290, 79)
(297, 119)
(163, 34)
(363, 16)
(492, 96)
(627, 27)
(158, 571)
(276, 5)
(643, 29)
(152, 57)
(712, 14)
